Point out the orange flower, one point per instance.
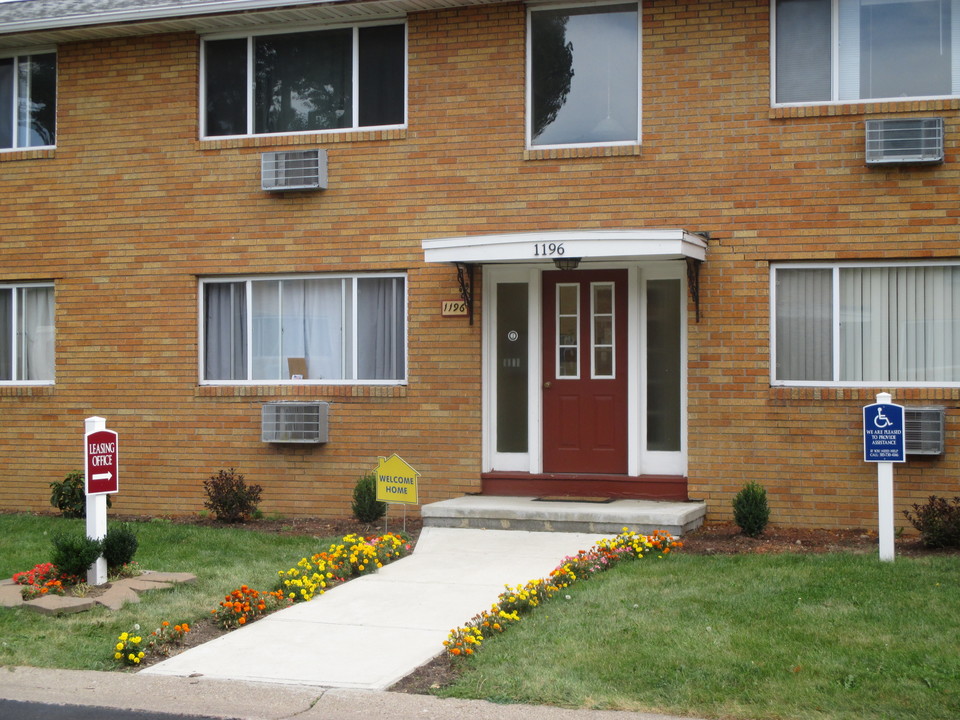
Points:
(242, 619)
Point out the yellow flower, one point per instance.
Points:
(117, 656)
(119, 646)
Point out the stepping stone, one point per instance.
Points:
(172, 577)
(139, 583)
(10, 595)
(59, 604)
(116, 595)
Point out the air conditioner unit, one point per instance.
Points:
(293, 170)
(294, 422)
(905, 141)
(923, 430)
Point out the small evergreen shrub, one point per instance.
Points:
(938, 522)
(74, 553)
(69, 496)
(230, 498)
(750, 510)
(119, 546)
(366, 507)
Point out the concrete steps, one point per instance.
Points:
(531, 514)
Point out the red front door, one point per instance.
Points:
(585, 372)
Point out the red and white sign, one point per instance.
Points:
(100, 453)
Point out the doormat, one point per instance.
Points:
(574, 498)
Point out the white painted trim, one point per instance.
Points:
(606, 245)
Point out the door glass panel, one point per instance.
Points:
(603, 320)
(568, 340)
(512, 371)
(663, 365)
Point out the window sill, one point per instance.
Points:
(313, 391)
(864, 395)
(593, 151)
(27, 154)
(14, 390)
(269, 141)
(866, 108)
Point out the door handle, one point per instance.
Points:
(547, 385)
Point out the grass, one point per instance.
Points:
(839, 637)
(221, 558)
(819, 637)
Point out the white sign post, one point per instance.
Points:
(884, 443)
(100, 463)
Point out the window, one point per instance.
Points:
(584, 70)
(28, 101)
(309, 328)
(333, 79)
(26, 334)
(848, 50)
(867, 325)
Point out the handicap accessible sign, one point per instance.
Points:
(883, 436)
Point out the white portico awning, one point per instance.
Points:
(595, 245)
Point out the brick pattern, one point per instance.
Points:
(131, 208)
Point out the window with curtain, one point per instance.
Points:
(867, 325)
(28, 101)
(310, 329)
(848, 50)
(26, 334)
(340, 78)
(584, 70)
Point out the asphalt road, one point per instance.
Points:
(18, 710)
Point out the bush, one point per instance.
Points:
(119, 546)
(69, 496)
(938, 522)
(74, 553)
(750, 510)
(366, 507)
(230, 498)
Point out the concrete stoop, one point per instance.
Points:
(552, 515)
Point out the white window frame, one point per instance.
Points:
(17, 55)
(16, 333)
(352, 333)
(835, 70)
(529, 74)
(836, 268)
(251, 89)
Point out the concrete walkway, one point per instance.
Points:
(372, 631)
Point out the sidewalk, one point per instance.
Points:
(261, 701)
(372, 631)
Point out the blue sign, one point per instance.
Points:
(883, 437)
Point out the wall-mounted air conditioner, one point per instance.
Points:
(293, 170)
(905, 141)
(294, 422)
(923, 430)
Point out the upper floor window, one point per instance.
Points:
(26, 334)
(28, 101)
(584, 70)
(867, 325)
(334, 79)
(849, 50)
(304, 328)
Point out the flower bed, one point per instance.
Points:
(514, 602)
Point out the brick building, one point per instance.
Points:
(680, 269)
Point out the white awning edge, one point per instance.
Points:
(596, 245)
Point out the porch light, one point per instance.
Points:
(566, 263)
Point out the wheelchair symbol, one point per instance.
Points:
(881, 420)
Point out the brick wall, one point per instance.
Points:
(131, 208)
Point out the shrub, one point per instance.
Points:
(230, 498)
(74, 553)
(119, 546)
(938, 522)
(366, 507)
(750, 510)
(69, 496)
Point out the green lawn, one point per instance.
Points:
(753, 636)
(221, 558)
(827, 637)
